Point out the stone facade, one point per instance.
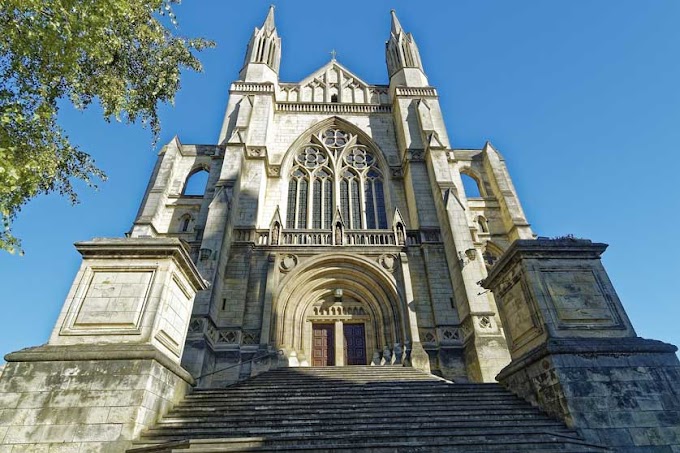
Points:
(408, 254)
(333, 228)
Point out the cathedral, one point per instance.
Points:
(333, 227)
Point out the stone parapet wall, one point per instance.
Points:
(575, 353)
(68, 399)
(623, 393)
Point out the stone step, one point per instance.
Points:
(354, 393)
(316, 426)
(405, 402)
(353, 430)
(507, 441)
(356, 412)
(392, 387)
(357, 409)
(377, 417)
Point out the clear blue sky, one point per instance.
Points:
(580, 96)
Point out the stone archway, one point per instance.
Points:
(339, 289)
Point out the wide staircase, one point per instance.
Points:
(357, 409)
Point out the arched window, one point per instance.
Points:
(471, 186)
(334, 169)
(196, 184)
(185, 223)
(483, 225)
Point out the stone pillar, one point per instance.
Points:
(339, 344)
(417, 357)
(574, 351)
(112, 365)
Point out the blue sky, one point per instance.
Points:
(581, 97)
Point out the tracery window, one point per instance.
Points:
(335, 170)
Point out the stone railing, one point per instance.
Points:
(319, 237)
(308, 107)
(306, 237)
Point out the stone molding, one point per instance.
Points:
(117, 248)
(588, 347)
(103, 352)
(416, 91)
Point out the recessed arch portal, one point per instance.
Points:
(368, 295)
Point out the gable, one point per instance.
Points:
(333, 83)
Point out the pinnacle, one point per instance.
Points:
(269, 21)
(396, 26)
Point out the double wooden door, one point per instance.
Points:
(323, 344)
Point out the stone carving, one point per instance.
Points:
(250, 338)
(387, 261)
(256, 153)
(401, 240)
(428, 336)
(288, 262)
(228, 336)
(338, 234)
(397, 172)
(274, 171)
(485, 323)
(450, 334)
(275, 234)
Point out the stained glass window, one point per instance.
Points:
(335, 158)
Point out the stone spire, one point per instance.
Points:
(403, 56)
(263, 55)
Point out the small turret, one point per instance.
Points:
(263, 55)
(403, 59)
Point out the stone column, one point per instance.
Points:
(339, 344)
(418, 356)
(112, 365)
(574, 351)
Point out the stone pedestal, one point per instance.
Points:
(112, 365)
(574, 351)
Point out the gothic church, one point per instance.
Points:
(326, 238)
(334, 226)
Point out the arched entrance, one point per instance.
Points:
(339, 309)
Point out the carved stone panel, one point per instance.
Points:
(578, 300)
(113, 301)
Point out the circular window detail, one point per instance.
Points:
(311, 157)
(359, 158)
(334, 138)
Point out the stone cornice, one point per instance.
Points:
(103, 248)
(566, 248)
(98, 352)
(588, 346)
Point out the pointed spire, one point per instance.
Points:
(401, 51)
(268, 24)
(264, 48)
(396, 26)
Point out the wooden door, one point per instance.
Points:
(323, 346)
(355, 344)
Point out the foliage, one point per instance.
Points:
(116, 52)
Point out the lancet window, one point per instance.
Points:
(335, 171)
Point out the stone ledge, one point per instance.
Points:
(102, 352)
(565, 248)
(587, 346)
(144, 247)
